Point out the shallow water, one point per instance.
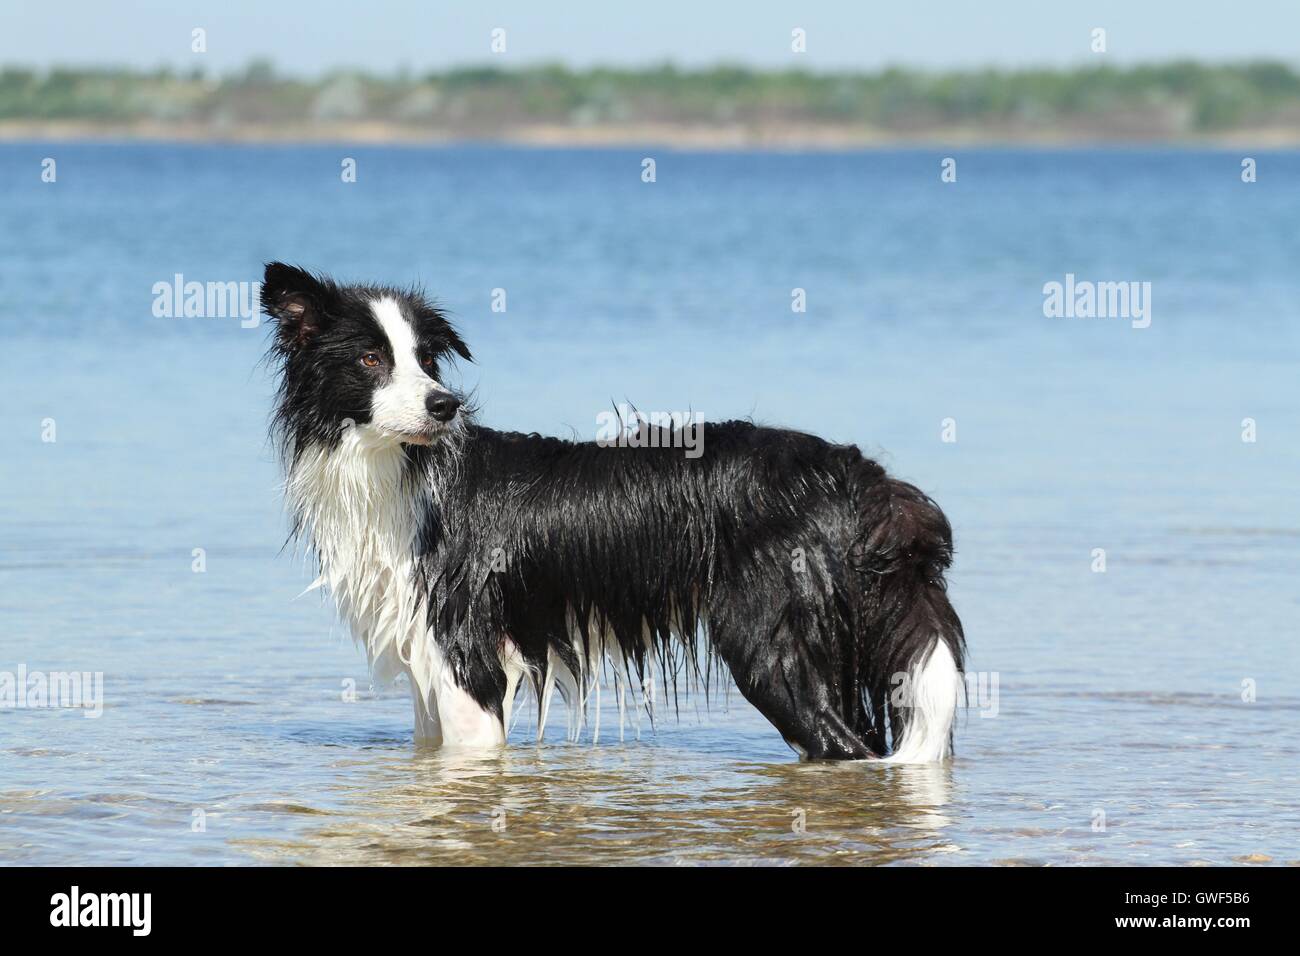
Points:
(1118, 732)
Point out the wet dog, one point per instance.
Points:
(479, 562)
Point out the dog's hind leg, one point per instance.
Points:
(794, 680)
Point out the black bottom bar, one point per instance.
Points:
(926, 904)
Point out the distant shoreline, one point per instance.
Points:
(786, 137)
(1253, 104)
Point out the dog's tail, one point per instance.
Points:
(910, 642)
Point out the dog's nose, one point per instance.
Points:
(441, 405)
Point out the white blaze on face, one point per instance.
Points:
(398, 405)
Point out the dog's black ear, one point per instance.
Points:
(456, 343)
(433, 319)
(297, 301)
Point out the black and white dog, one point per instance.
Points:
(474, 561)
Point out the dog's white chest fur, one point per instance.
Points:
(363, 516)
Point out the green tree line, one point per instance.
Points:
(1182, 95)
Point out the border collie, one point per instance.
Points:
(477, 562)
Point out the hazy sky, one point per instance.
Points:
(308, 37)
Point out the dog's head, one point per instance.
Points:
(355, 356)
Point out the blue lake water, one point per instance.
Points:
(1146, 714)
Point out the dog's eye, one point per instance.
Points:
(370, 359)
(427, 362)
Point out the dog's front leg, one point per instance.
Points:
(465, 722)
(448, 716)
(428, 731)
